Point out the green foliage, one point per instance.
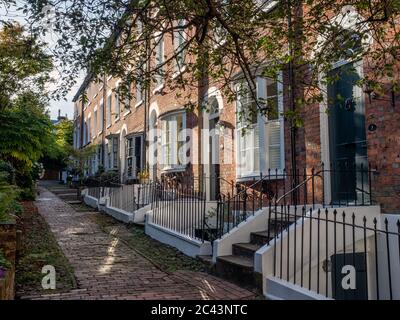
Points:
(306, 37)
(24, 65)
(9, 195)
(26, 131)
(78, 159)
(4, 263)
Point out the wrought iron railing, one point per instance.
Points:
(335, 254)
(307, 187)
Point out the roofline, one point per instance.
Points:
(83, 86)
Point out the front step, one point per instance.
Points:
(237, 269)
(245, 249)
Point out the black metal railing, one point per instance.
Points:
(307, 187)
(317, 249)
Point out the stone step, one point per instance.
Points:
(236, 269)
(245, 249)
(261, 238)
(279, 223)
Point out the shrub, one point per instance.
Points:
(9, 172)
(4, 264)
(27, 194)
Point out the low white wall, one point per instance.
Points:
(264, 257)
(119, 214)
(90, 201)
(190, 247)
(240, 234)
(278, 289)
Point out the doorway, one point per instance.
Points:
(347, 137)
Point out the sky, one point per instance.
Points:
(65, 105)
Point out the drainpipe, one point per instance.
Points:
(292, 105)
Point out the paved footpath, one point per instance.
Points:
(106, 268)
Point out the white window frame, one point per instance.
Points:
(109, 109)
(180, 35)
(101, 116)
(95, 120)
(264, 147)
(117, 103)
(170, 160)
(159, 60)
(138, 86)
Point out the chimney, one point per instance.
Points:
(59, 114)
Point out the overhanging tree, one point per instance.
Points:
(223, 38)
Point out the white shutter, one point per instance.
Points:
(274, 144)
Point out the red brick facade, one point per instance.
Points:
(383, 144)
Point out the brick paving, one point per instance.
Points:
(106, 268)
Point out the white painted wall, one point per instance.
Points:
(264, 258)
(190, 247)
(240, 234)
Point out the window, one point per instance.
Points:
(159, 61)
(109, 157)
(89, 132)
(95, 123)
(99, 155)
(273, 125)
(260, 137)
(179, 43)
(139, 27)
(109, 108)
(134, 145)
(266, 5)
(117, 107)
(101, 117)
(139, 89)
(173, 138)
(247, 132)
(115, 148)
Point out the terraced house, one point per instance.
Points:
(292, 210)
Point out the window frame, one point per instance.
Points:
(261, 124)
(109, 110)
(170, 159)
(159, 60)
(179, 67)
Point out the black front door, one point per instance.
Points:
(348, 149)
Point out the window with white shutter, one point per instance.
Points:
(259, 137)
(274, 125)
(247, 132)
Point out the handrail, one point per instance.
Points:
(298, 186)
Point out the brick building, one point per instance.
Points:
(358, 147)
